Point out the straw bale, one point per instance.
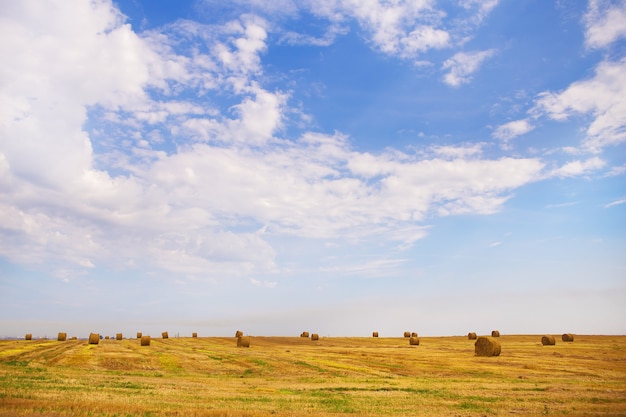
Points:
(567, 337)
(106, 337)
(414, 340)
(28, 336)
(243, 341)
(487, 346)
(94, 338)
(139, 334)
(471, 336)
(304, 334)
(164, 335)
(548, 340)
(145, 340)
(413, 334)
(407, 334)
(62, 337)
(238, 333)
(495, 333)
(315, 336)
(374, 334)
(118, 336)
(194, 334)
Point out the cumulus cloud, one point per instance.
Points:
(145, 167)
(603, 97)
(462, 65)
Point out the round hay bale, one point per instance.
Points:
(28, 336)
(238, 333)
(62, 337)
(304, 334)
(414, 341)
(73, 338)
(413, 334)
(548, 340)
(243, 341)
(118, 336)
(407, 334)
(164, 335)
(487, 346)
(567, 337)
(106, 337)
(94, 338)
(315, 336)
(145, 340)
(374, 334)
(194, 334)
(139, 335)
(471, 336)
(495, 333)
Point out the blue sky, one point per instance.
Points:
(332, 166)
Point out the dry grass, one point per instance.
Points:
(290, 376)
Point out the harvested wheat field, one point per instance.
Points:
(293, 376)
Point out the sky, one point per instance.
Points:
(331, 166)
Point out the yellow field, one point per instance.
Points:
(293, 376)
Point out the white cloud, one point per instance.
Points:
(577, 168)
(603, 97)
(512, 129)
(616, 203)
(185, 185)
(604, 23)
(462, 65)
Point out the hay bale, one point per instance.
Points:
(62, 337)
(238, 333)
(487, 346)
(315, 336)
(304, 334)
(164, 335)
(106, 337)
(73, 338)
(139, 335)
(471, 336)
(194, 334)
(414, 341)
(414, 334)
(243, 341)
(374, 334)
(495, 333)
(94, 338)
(28, 336)
(407, 334)
(548, 340)
(145, 340)
(567, 337)
(118, 336)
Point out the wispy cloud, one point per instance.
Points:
(462, 65)
(616, 203)
(512, 129)
(604, 23)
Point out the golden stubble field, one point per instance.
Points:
(293, 376)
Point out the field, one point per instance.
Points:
(293, 376)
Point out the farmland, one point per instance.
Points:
(294, 376)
